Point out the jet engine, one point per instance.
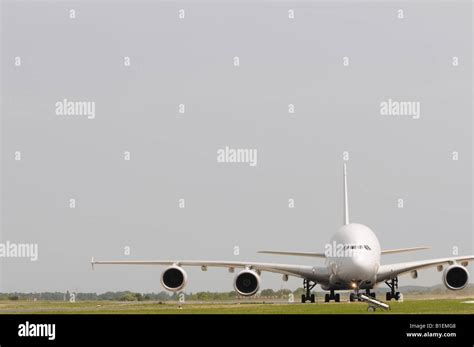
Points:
(455, 277)
(247, 282)
(174, 278)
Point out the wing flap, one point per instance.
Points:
(401, 250)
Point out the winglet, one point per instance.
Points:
(92, 263)
(346, 202)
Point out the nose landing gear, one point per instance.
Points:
(356, 297)
(369, 294)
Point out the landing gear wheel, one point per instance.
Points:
(313, 298)
(352, 297)
(337, 298)
(371, 309)
(303, 298)
(388, 296)
(326, 298)
(369, 294)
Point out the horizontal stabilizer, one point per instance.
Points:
(401, 250)
(299, 254)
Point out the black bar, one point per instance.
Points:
(363, 329)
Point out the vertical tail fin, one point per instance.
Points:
(346, 202)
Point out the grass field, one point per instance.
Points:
(442, 306)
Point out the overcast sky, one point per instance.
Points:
(191, 61)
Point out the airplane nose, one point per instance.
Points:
(361, 267)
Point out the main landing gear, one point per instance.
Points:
(332, 296)
(393, 293)
(308, 286)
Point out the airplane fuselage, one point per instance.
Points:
(352, 258)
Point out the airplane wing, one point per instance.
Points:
(390, 271)
(322, 255)
(300, 254)
(401, 250)
(319, 274)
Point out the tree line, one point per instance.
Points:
(134, 296)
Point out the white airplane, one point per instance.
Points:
(352, 262)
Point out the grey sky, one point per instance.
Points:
(135, 203)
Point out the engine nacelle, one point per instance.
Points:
(455, 277)
(247, 282)
(174, 278)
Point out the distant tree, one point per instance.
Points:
(267, 292)
(283, 293)
(162, 296)
(87, 296)
(203, 296)
(107, 296)
(298, 292)
(128, 297)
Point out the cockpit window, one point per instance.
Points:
(366, 247)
